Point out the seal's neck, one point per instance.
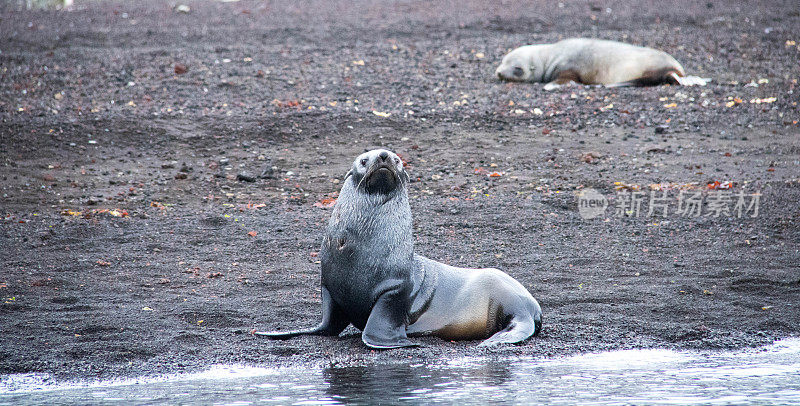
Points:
(379, 224)
(544, 63)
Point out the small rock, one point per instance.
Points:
(185, 168)
(180, 69)
(230, 82)
(661, 129)
(591, 157)
(245, 177)
(224, 161)
(181, 175)
(168, 165)
(267, 173)
(92, 201)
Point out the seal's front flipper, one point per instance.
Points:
(386, 325)
(285, 335)
(552, 86)
(333, 322)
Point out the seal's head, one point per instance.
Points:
(378, 172)
(524, 64)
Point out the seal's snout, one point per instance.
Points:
(499, 73)
(378, 172)
(510, 73)
(381, 181)
(383, 175)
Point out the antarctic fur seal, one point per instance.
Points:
(593, 62)
(372, 279)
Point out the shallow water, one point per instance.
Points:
(769, 376)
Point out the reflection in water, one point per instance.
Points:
(766, 376)
(397, 383)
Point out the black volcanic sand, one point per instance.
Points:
(138, 234)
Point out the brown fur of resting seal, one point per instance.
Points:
(593, 62)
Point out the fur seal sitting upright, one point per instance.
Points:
(372, 279)
(593, 62)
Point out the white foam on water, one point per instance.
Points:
(20, 383)
(629, 359)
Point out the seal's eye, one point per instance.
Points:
(518, 72)
(364, 162)
(397, 161)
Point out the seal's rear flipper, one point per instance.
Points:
(525, 323)
(662, 77)
(386, 325)
(651, 78)
(692, 81)
(516, 332)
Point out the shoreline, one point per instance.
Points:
(42, 382)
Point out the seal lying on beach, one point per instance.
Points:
(593, 62)
(372, 278)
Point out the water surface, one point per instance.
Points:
(768, 376)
